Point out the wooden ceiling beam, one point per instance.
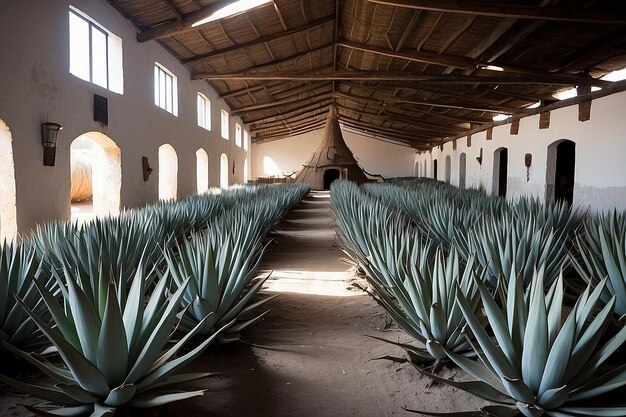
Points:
(292, 91)
(495, 77)
(290, 132)
(204, 75)
(261, 40)
(183, 24)
(322, 104)
(343, 118)
(519, 11)
(251, 89)
(410, 27)
(396, 130)
(292, 119)
(304, 125)
(270, 138)
(279, 103)
(412, 55)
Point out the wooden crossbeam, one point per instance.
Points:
(497, 78)
(261, 40)
(182, 24)
(204, 75)
(278, 103)
(519, 11)
(296, 110)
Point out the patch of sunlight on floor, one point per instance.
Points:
(335, 284)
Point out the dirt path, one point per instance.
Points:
(311, 355)
(316, 357)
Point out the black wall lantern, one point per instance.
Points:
(49, 133)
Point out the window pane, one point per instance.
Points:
(161, 88)
(156, 85)
(99, 57)
(79, 47)
(168, 93)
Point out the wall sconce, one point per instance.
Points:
(479, 158)
(49, 134)
(528, 160)
(146, 168)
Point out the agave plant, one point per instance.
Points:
(509, 246)
(18, 270)
(222, 263)
(538, 363)
(115, 357)
(413, 281)
(602, 253)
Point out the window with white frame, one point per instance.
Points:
(238, 134)
(95, 53)
(246, 139)
(225, 129)
(204, 112)
(165, 89)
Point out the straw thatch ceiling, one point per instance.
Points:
(413, 71)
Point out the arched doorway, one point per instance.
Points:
(202, 171)
(435, 169)
(561, 171)
(448, 172)
(330, 175)
(224, 171)
(500, 170)
(96, 179)
(168, 173)
(462, 169)
(8, 210)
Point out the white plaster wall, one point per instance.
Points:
(377, 157)
(600, 178)
(35, 86)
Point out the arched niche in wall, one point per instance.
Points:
(425, 169)
(202, 171)
(448, 172)
(417, 168)
(96, 176)
(561, 171)
(224, 171)
(246, 171)
(500, 171)
(168, 172)
(8, 205)
(462, 169)
(434, 169)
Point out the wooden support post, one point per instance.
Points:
(514, 127)
(584, 108)
(490, 133)
(469, 141)
(544, 120)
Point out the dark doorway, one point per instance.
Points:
(564, 172)
(330, 175)
(435, 169)
(500, 165)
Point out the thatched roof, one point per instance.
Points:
(413, 71)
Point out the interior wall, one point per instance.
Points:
(286, 156)
(36, 86)
(600, 183)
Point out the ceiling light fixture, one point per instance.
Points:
(232, 9)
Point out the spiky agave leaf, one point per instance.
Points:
(600, 251)
(19, 268)
(544, 365)
(116, 357)
(414, 281)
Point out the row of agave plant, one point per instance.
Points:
(107, 309)
(487, 294)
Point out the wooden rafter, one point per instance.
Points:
(262, 40)
(494, 77)
(183, 24)
(519, 11)
(271, 64)
(279, 103)
(323, 104)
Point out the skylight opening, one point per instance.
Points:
(500, 117)
(492, 68)
(232, 9)
(618, 75)
(564, 95)
(534, 105)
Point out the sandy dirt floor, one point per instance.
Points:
(311, 356)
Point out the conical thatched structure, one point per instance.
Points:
(332, 160)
